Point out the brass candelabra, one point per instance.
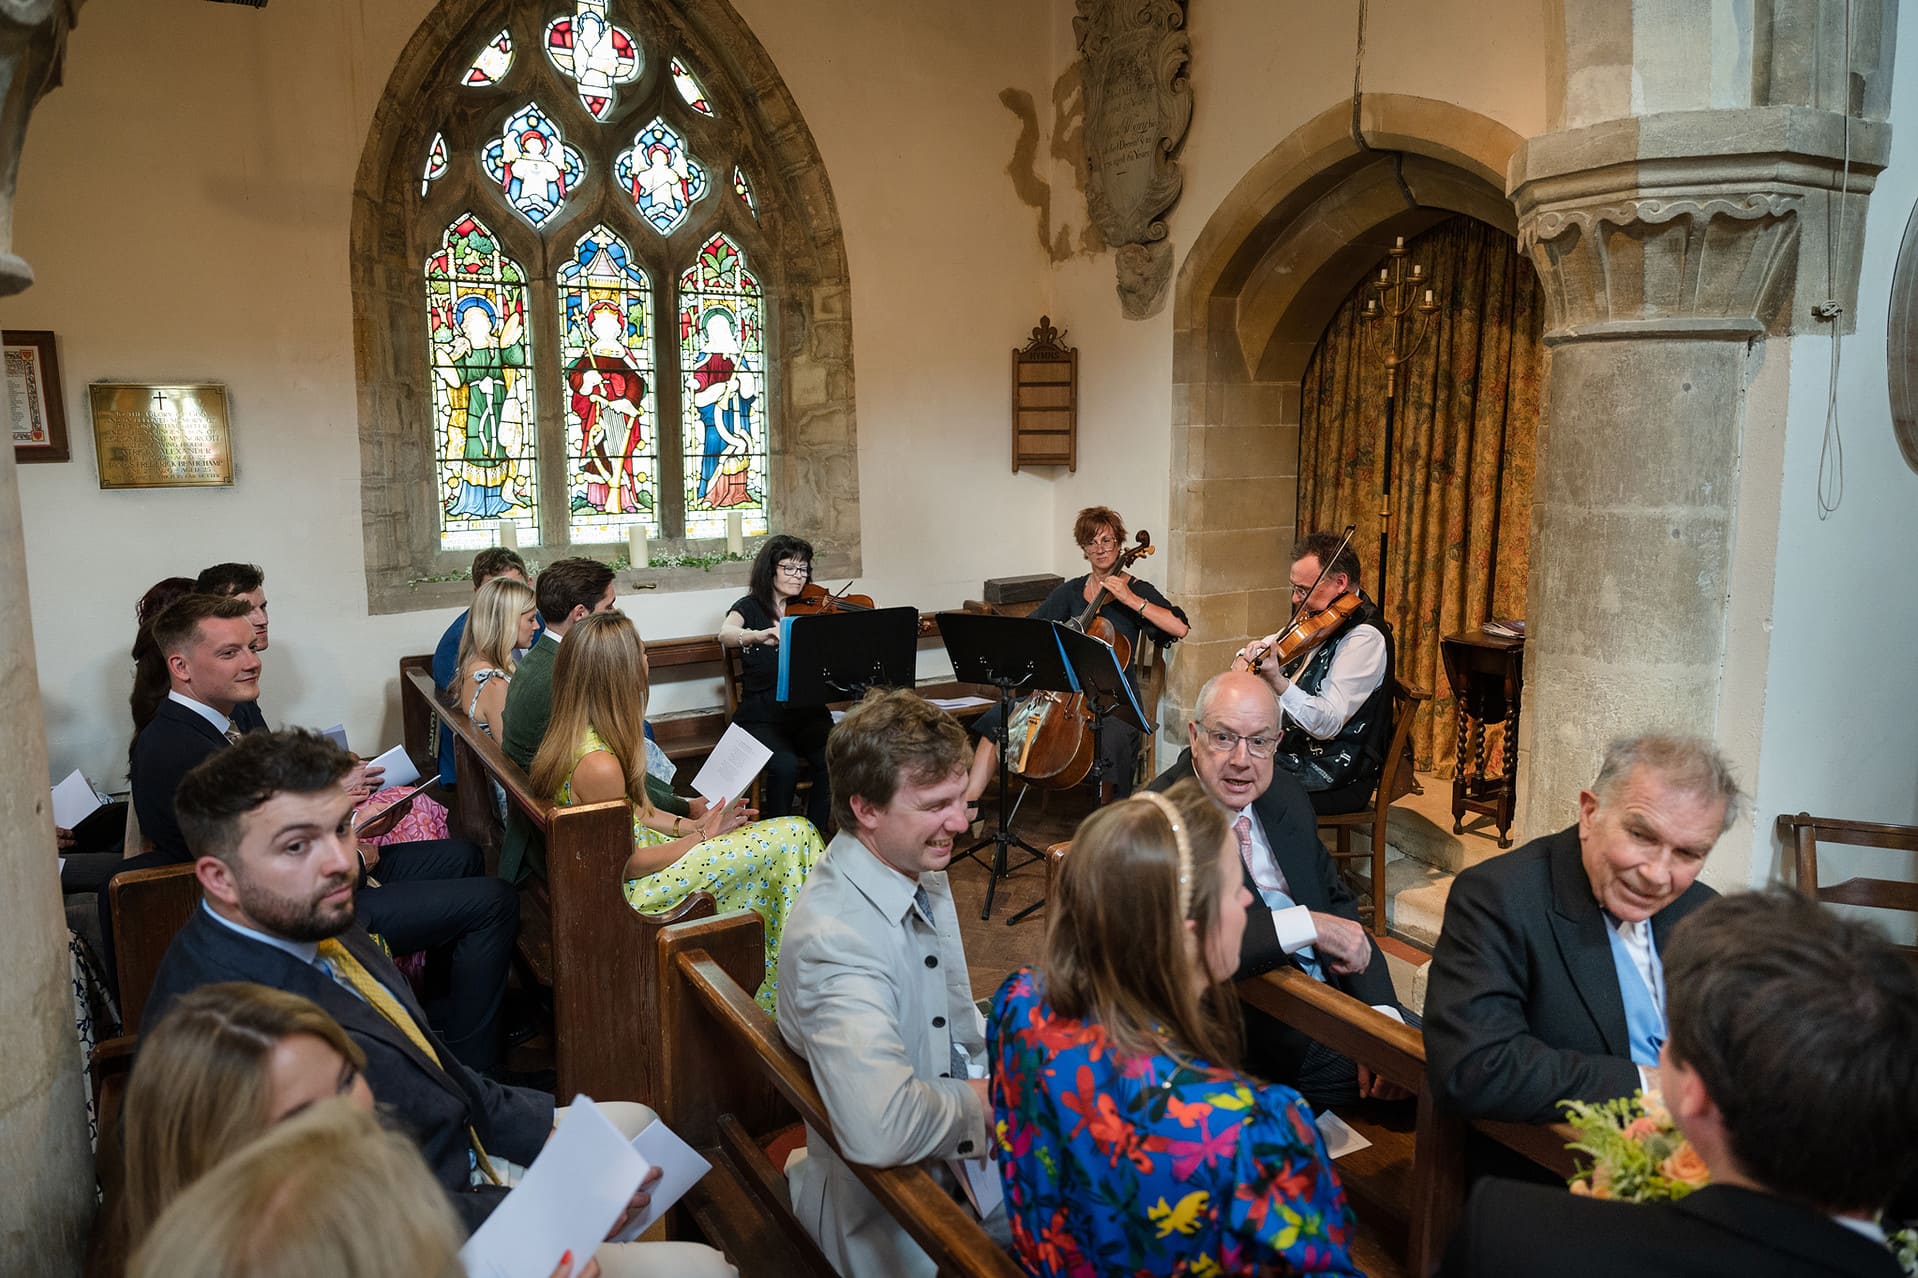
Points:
(1398, 301)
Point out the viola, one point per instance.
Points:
(1050, 733)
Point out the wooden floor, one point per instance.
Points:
(995, 950)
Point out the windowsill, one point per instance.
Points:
(828, 569)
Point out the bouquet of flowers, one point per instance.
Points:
(1637, 1153)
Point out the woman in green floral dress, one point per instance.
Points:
(594, 752)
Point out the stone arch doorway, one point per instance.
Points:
(1273, 263)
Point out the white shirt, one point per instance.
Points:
(205, 711)
(1358, 667)
(305, 951)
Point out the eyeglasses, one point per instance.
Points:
(795, 570)
(1225, 742)
(1103, 539)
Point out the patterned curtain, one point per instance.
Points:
(1463, 456)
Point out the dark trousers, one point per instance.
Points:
(1278, 1053)
(436, 895)
(794, 735)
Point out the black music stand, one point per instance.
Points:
(1013, 654)
(837, 656)
(1109, 695)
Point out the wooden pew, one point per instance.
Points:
(149, 909)
(1408, 1184)
(731, 1082)
(578, 937)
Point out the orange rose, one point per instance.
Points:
(1641, 1127)
(1581, 1187)
(1685, 1167)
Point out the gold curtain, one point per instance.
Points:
(1463, 454)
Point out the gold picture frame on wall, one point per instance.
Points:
(150, 435)
(36, 401)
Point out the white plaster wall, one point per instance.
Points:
(1840, 733)
(185, 201)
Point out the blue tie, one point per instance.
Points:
(1275, 896)
(1644, 1024)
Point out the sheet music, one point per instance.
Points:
(75, 799)
(680, 1167)
(337, 735)
(567, 1201)
(959, 703)
(731, 767)
(1340, 1138)
(399, 768)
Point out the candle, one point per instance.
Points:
(1381, 275)
(735, 533)
(509, 534)
(1398, 242)
(1417, 270)
(1428, 297)
(636, 553)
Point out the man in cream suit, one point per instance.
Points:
(873, 989)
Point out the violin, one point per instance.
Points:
(1050, 733)
(815, 600)
(1307, 629)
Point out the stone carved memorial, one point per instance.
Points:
(1135, 55)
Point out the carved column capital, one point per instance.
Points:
(33, 44)
(1698, 224)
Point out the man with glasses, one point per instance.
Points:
(1302, 913)
(1136, 610)
(1338, 705)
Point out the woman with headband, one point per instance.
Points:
(1128, 1142)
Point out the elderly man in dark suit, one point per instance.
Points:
(272, 827)
(1546, 984)
(1302, 913)
(431, 895)
(1791, 1068)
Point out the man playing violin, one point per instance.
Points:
(1133, 605)
(1337, 706)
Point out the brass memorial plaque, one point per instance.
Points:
(161, 436)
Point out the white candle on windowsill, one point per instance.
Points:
(637, 554)
(735, 533)
(509, 534)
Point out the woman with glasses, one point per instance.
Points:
(1133, 606)
(780, 571)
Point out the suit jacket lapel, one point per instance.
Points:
(193, 719)
(1584, 943)
(375, 961)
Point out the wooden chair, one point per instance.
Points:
(149, 909)
(1395, 782)
(1803, 833)
(1153, 659)
(731, 1083)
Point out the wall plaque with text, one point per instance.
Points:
(149, 436)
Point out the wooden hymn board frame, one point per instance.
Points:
(1045, 401)
(148, 435)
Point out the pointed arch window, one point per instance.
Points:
(612, 308)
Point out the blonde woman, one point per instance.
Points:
(595, 752)
(1125, 1132)
(326, 1193)
(503, 618)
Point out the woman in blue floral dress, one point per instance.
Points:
(594, 752)
(1127, 1143)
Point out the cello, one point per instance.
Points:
(1050, 733)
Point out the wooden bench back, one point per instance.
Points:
(578, 934)
(1803, 832)
(1432, 1196)
(149, 909)
(731, 1081)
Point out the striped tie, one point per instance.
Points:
(340, 962)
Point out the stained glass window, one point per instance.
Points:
(722, 367)
(689, 88)
(482, 387)
(492, 63)
(435, 164)
(533, 164)
(606, 348)
(596, 54)
(663, 179)
(744, 190)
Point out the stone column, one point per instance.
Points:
(47, 1208)
(1669, 247)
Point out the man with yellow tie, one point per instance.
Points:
(271, 828)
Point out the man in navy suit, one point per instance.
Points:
(1302, 913)
(271, 823)
(1546, 983)
(429, 895)
(1791, 1068)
